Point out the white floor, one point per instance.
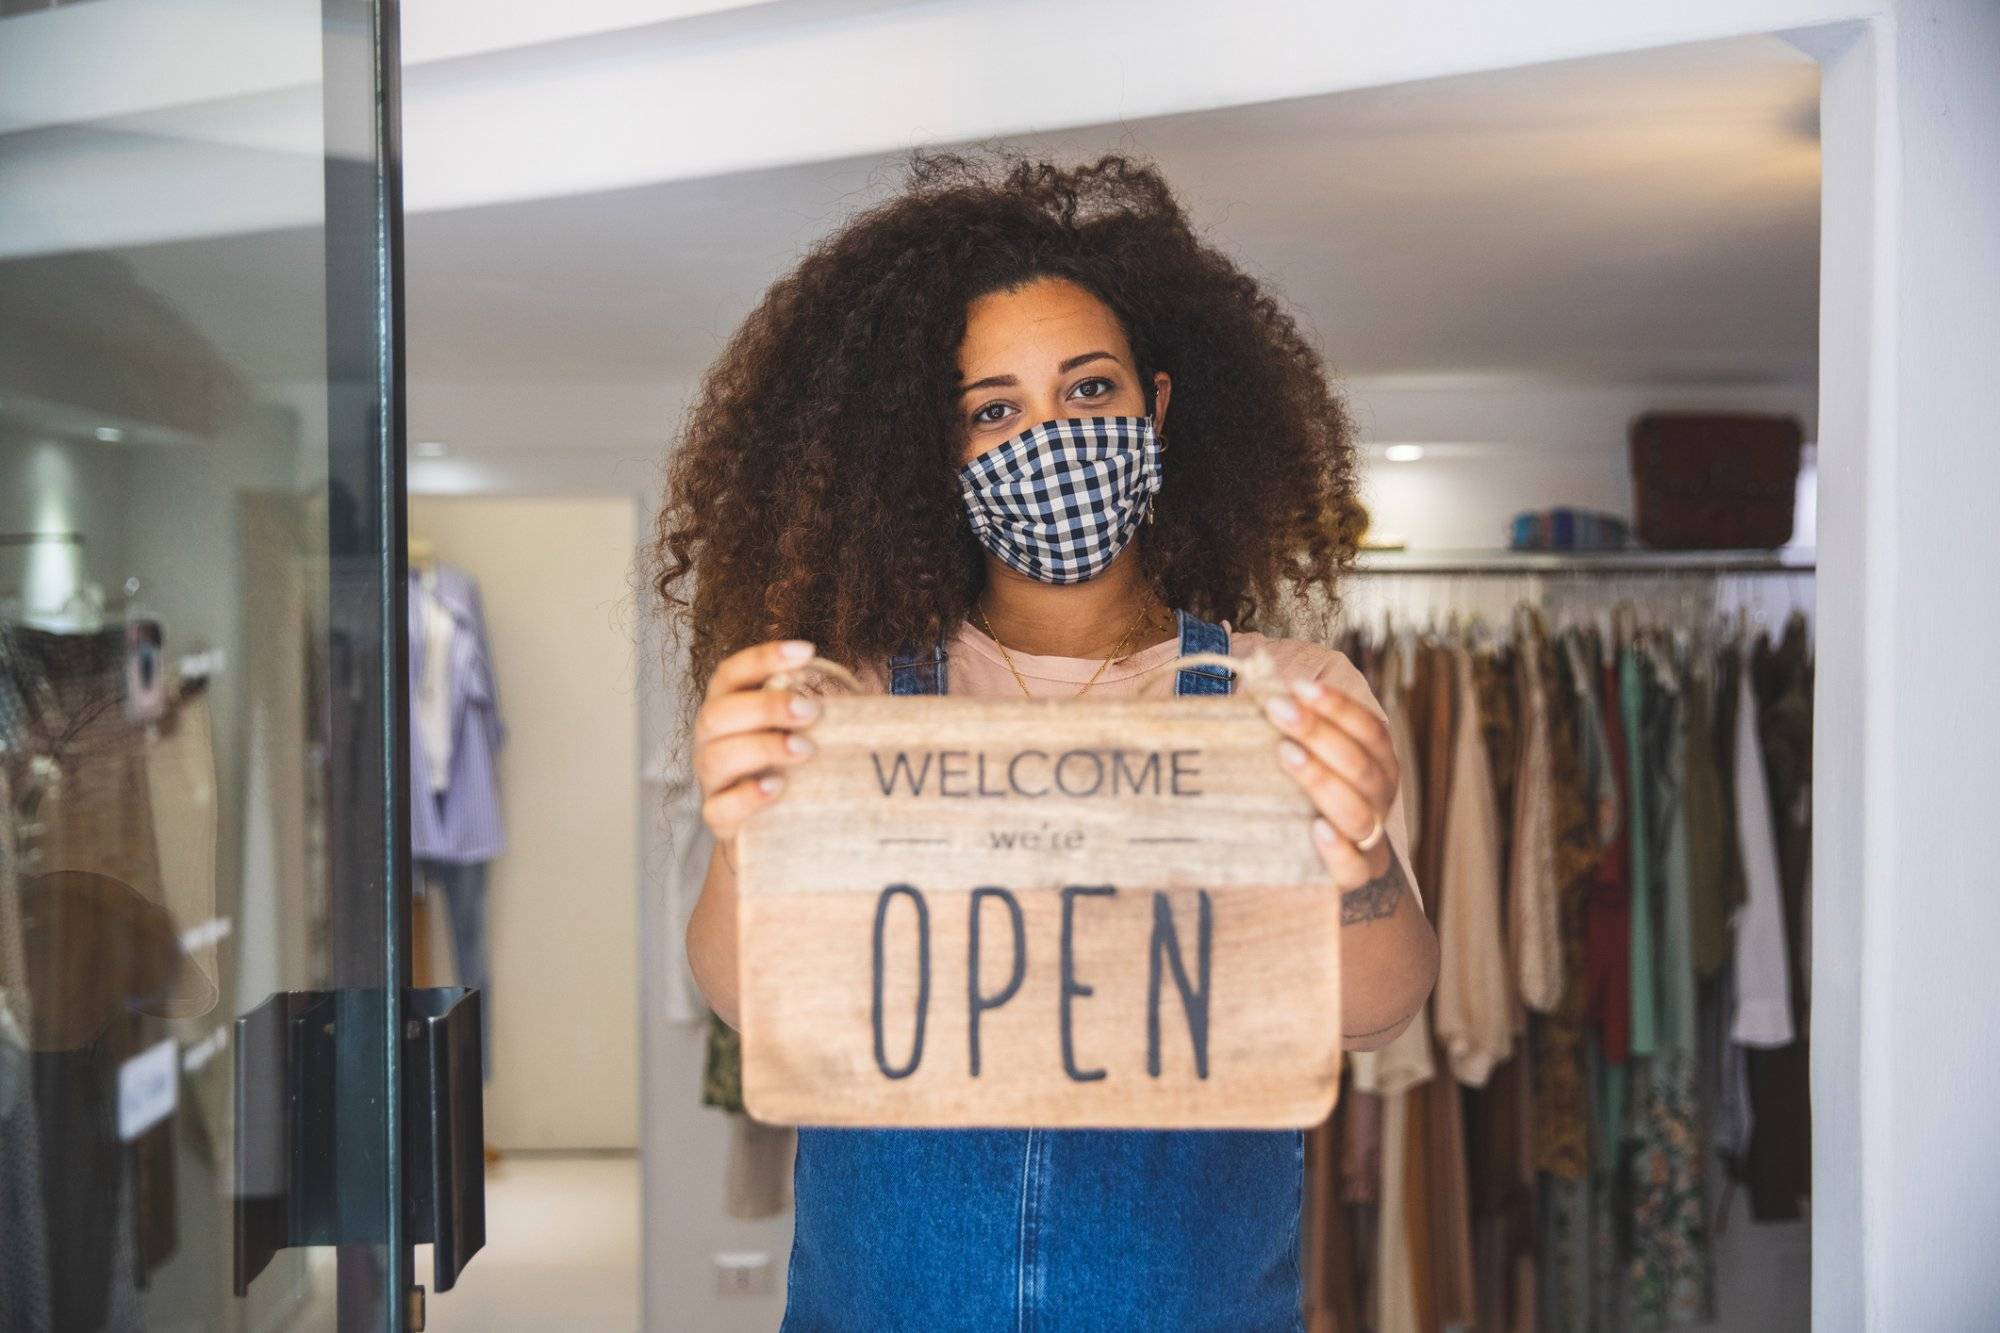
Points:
(562, 1252)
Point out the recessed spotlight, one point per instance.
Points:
(431, 448)
(1403, 453)
(110, 434)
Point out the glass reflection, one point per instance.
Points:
(190, 718)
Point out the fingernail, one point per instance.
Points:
(1282, 710)
(802, 708)
(798, 744)
(1308, 689)
(795, 650)
(1291, 753)
(1323, 832)
(769, 783)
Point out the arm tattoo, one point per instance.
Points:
(1375, 900)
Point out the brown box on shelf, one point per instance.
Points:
(1705, 481)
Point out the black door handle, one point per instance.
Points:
(308, 1169)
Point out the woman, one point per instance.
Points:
(1017, 431)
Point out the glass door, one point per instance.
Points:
(218, 1104)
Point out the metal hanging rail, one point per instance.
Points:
(37, 538)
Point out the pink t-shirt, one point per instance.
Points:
(975, 667)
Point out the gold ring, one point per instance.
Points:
(1367, 844)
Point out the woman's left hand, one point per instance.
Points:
(1340, 752)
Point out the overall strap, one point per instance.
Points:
(925, 672)
(919, 672)
(1198, 636)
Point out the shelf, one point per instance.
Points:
(1583, 563)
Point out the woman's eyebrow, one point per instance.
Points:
(1003, 381)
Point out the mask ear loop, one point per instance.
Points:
(1159, 443)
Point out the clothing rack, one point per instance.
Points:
(1584, 1167)
(1692, 588)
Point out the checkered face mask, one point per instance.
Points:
(1059, 500)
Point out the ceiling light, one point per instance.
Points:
(431, 448)
(110, 434)
(1403, 453)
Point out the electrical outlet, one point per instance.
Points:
(742, 1272)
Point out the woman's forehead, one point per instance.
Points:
(1045, 321)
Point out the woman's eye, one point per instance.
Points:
(982, 418)
(1095, 379)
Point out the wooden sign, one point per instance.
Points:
(1039, 912)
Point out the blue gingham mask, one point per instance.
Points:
(1060, 500)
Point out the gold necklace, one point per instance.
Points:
(1008, 657)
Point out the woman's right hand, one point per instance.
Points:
(745, 736)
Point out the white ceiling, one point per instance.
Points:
(1648, 218)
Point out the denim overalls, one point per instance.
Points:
(1047, 1229)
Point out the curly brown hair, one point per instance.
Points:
(813, 493)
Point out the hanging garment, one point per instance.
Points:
(464, 887)
(1564, 1294)
(460, 820)
(722, 1067)
(431, 700)
(1493, 687)
(1330, 1282)
(1728, 665)
(1610, 950)
(94, 968)
(1707, 826)
(1533, 896)
(1437, 1212)
(95, 812)
(1390, 1074)
(1397, 672)
(103, 967)
(181, 790)
(1670, 1272)
(1562, 1105)
(1562, 1095)
(1734, 1120)
(1639, 824)
(1499, 1180)
(757, 1169)
(689, 846)
(1361, 1146)
(181, 784)
(1404, 1064)
(24, 1272)
(1763, 975)
(1607, 913)
(1778, 1163)
(1473, 1010)
(1394, 1307)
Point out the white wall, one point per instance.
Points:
(1904, 1074)
(552, 573)
(1496, 447)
